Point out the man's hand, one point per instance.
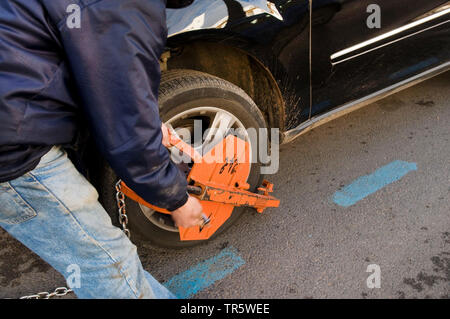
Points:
(190, 214)
(165, 134)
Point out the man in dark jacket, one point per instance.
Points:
(63, 62)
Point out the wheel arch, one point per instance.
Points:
(235, 66)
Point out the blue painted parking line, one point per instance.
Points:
(369, 184)
(204, 274)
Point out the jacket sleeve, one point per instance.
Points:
(114, 60)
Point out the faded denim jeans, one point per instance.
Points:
(54, 211)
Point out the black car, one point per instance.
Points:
(287, 64)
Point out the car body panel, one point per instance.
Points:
(402, 47)
(281, 46)
(314, 55)
(214, 14)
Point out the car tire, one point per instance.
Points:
(181, 92)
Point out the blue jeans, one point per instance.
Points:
(54, 211)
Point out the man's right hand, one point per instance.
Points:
(190, 214)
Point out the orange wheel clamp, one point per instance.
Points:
(219, 181)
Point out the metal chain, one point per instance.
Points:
(59, 292)
(123, 220)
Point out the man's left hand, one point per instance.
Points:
(165, 134)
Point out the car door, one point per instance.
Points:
(360, 47)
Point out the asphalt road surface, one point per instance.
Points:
(312, 247)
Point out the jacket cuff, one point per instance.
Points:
(178, 204)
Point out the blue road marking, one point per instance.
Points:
(366, 185)
(204, 274)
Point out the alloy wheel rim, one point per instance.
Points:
(211, 118)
